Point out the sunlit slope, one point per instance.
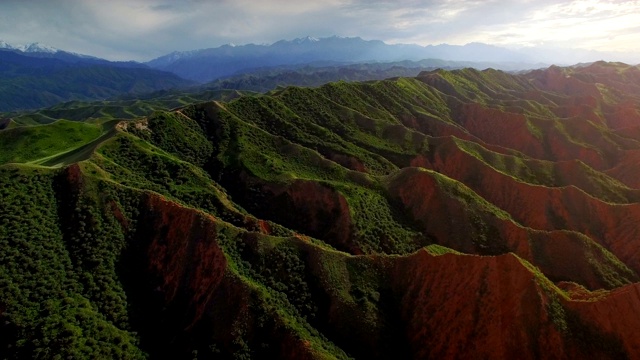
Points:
(31, 144)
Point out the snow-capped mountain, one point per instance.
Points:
(6, 46)
(35, 47)
(39, 50)
(307, 39)
(172, 58)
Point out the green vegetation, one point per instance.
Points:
(286, 205)
(132, 162)
(30, 87)
(434, 249)
(54, 305)
(550, 174)
(29, 144)
(177, 134)
(272, 78)
(121, 107)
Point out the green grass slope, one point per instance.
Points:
(123, 107)
(352, 220)
(29, 144)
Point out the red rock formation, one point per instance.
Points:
(507, 318)
(626, 170)
(198, 287)
(615, 314)
(349, 162)
(183, 252)
(456, 224)
(511, 314)
(623, 115)
(510, 130)
(558, 80)
(542, 207)
(450, 306)
(314, 209)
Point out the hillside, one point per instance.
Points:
(455, 214)
(266, 79)
(28, 82)
(131, 106)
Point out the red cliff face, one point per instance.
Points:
(184, 253)
(507, 318)
(494, 126)
(206, 299)
(545, 208)
(448, 306)
(623, 115)
(542, 207)
(456, 224)
(614, 314)
(551, 141)
(348, 162)
(626, 170)
(511, 314)
(451, 220)
(558, 80)
(583, 107)
(73, 175)
(314, 209)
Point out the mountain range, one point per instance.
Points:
(41, 51)
(454, 214)
(210, 64)
(34, 76)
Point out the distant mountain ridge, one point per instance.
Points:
(29, 48)
(27, 71)
(266, 79)
(36, 77)
(209, 64)
(232, 65)
(37, 47)
(38, 50)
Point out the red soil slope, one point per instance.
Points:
(455, 223)
(510, 316)
(547, 208)
(198, 289)
(573, 224)
(449, 306)
(314, 209)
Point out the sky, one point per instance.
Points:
(145, 29)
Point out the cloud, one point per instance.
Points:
(584, 24)
(143, 29)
